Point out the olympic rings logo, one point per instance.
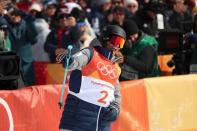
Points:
(107, 70)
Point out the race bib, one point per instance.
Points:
(95, 91)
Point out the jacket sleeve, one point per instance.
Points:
(117, 103)
(51, 43)
(79, 59)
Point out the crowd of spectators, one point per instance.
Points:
(40, 29)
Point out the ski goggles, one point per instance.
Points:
(117, 41)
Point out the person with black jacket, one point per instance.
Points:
(140, 54)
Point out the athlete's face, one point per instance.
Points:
(116, 43)
(111, 47)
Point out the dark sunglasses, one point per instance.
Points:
(119, 13)
(131, 6)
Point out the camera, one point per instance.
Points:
(175, 42)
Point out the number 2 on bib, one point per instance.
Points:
(104, 96)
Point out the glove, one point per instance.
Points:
(111, 113)
(65, 62)
(119, 58)
(60, 54)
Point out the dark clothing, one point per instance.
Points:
(193, 63)
(145, 56)
(179, 21)
(148, 24)
(145, 22)
(22, 35)
(51, 45)
(142, 56)
(70, 37)
(80, 115)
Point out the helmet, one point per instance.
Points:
(113, 33)
(111, 30)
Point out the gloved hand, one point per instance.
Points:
(119, 58)
(111, 112)
(60, 54)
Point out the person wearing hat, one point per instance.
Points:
(132, 6)
(35, 8)
(140, 54)
(119, 15)
(22, 36)
(97, 15)
(50, 9)
(151, 18)
(93, 100)
(180, 15)
(53, 42)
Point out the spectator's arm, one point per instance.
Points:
(51, 44)
(31, 32)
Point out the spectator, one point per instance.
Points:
(117, 3)
(35, 8)
(147, 19)
(98, 14)
(108, 19)
(180, 16)
(62, 9)
(71, 5)
(119, 15)
(61, 3)
(49, 12)
(54, 38)
(86, 7)
(73, 35)
(22, 37)
(132, 7)
(140, 54)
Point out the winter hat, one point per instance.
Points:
(78, 14)
(119, 9)
(130, 27)
(3, 22)
(36, 6)
(126, 2)
(72, 5)
(16, 12)
(51, 3)
(62, 15)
